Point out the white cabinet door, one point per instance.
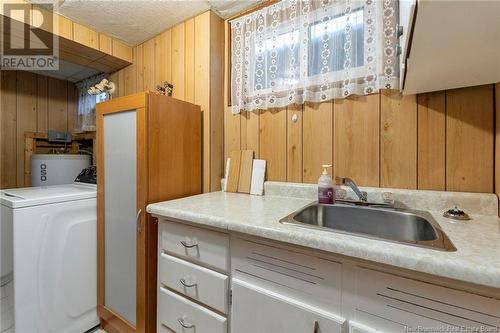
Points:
(258, 310)
(395, 304)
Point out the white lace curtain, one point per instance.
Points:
(298, 50)
(85, 120)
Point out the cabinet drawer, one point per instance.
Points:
(258, 310)
(304, 277)
(178, 314)
(207, 247)
(394, 304)
(199, 283)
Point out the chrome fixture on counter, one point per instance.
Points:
(349, 182)
(456, 214)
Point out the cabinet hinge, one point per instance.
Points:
(230, 296)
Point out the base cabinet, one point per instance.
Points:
(259, 310)
(277, 288)
(391, 303)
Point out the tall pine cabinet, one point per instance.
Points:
(149, 149)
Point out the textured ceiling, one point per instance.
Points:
(135, 21)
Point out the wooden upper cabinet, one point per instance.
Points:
(64, 26)
(85, 36)
(51, 22)
(121, 50)
(105, 43)
(78, 44)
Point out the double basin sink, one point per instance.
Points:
(410, 227)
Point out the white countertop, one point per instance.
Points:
(477, 259)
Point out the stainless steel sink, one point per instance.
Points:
(405, 226)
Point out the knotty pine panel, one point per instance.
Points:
(57, 105)
(149, 49)
(431, 144)
(232, 131)
(178, 61)
(139, 62)
(130, 75)
(272, 142)
(217, 106)
(469, 139)
(202, 87)
(189, 50)
(41, 103)
(357, 139)
(318, 139)
(163, 65)
(250, 132)
(26, 116)
(398, 142)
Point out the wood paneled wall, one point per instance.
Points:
(30, 102)
(190, 55)
(435, 141)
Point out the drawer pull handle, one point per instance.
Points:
(185, 284)
(187, 246)
(184, 324)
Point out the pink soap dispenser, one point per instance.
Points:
(326, 190)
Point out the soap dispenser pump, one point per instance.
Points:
(326, 190)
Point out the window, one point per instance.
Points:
(297, 51)
(335, 32)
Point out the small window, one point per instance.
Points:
(299, 50)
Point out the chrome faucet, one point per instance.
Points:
(349, 182)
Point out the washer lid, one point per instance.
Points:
(42, 195)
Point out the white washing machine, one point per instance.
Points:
(49, 258)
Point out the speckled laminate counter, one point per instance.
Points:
(477, 259)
